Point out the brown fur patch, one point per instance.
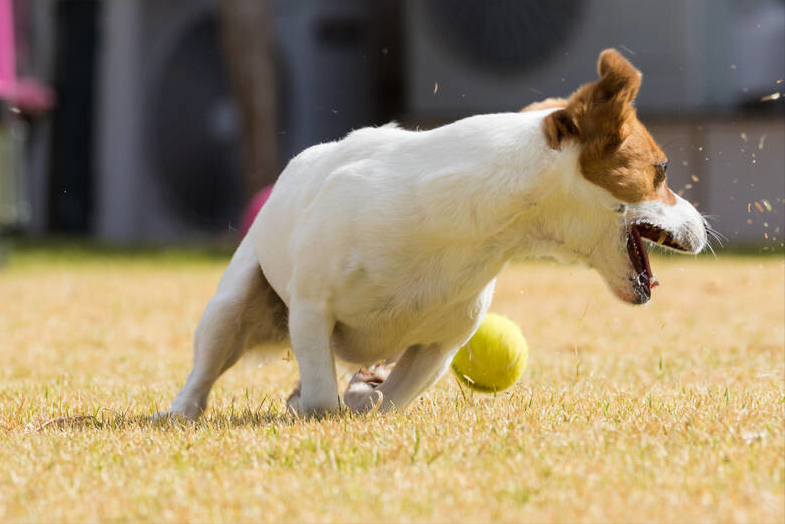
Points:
(617, 152)
(548, 103)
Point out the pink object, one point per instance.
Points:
(253, 208)
(7, 44)
(27, 93)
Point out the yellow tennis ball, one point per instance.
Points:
(494, 358)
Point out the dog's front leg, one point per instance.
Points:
(310, 328)
(418, 368)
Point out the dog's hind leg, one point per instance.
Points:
(245, 311)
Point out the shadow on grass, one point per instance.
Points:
(105, 419)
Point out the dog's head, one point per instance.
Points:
(621, 199)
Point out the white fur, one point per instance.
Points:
(386, 246)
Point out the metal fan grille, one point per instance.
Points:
(194, 133)
(502, 36)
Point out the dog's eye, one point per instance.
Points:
(659, 172)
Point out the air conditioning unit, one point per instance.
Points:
(167, 155)
(168, 161)
(336, 72)
(467, 57)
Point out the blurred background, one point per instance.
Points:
(156, 121)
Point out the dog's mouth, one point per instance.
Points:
(644, 280)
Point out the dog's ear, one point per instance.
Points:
(598, 114)
(619, 80)
(559, 126)
(608, 103)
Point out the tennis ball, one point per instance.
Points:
(495, 356)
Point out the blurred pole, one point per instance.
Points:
(248, 42)
(15, 208)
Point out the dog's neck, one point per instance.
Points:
(523, 191)
(557, 214)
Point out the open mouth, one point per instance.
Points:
(645, 279)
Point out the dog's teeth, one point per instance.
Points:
(662, 238)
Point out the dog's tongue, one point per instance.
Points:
(653, 282)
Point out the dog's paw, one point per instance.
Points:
(362, 394)
(297, 407)
(182, 409)
(171, 415)
(293, 403)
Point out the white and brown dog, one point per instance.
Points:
(385, 246)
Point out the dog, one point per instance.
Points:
(385, 246)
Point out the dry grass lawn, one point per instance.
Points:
(672, 412)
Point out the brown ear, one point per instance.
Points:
(619, 80)
(559, 126)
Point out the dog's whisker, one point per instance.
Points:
(716, 236)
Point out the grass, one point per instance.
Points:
(672, 412)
